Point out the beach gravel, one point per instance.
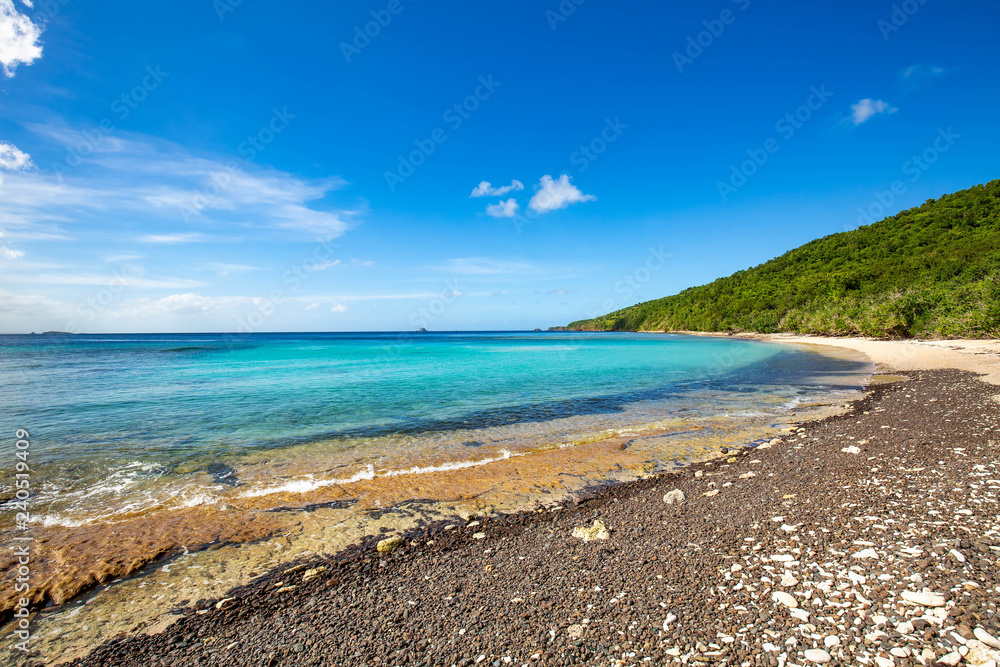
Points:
(869, 563)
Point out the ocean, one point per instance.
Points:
(123, 425)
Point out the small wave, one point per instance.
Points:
(457, 465)
(308, 484)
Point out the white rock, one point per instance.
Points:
(668, 620)
(928, 655)
(709, 494)
(831, 641)
(800, 614)
(951, 659)
(884, 662)
(980, 654)
(785, 599)
(788, 580)
(851, 450)
(957, 555)
(923, 599)
(596, 532)
(817, 655)
(900, 651)
(904, 628)
(986, 638)
(866, 553)
(675, 497)
(782, 558)
(768, 646)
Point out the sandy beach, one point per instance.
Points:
(976, 356)
(870, 536)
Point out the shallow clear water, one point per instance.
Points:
(123, 422)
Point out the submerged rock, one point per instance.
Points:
(389, 544)
(223, 474)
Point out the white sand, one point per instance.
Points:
(977, 356)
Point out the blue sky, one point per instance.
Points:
(224, 166)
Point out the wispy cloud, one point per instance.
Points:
(559, 292)
(129, 178)
(868, 108)
(916, 76)
(362, 262)
(338, 308)
(484, 266)
(505, 209)
(324, 265)
(552, 195)
(484, 189)
(19, 38)
(224, 269)
(170, 239)
(102, 279)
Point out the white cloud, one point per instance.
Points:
(484, 189)
(339, 308)
(866, 108)
(7, 253)
(559, 292)
(18, 38)
(505, 209)
(11, 158)
(313, 306)
(362, 262)
(552, 195)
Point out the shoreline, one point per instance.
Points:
(829, 539)
(967, 354)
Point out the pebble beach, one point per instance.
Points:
(870, 537)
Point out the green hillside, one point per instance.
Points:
(931, 271)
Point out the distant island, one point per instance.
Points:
(930, 271)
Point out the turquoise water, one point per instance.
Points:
(112, 414)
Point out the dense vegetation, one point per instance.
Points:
(931, 271)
